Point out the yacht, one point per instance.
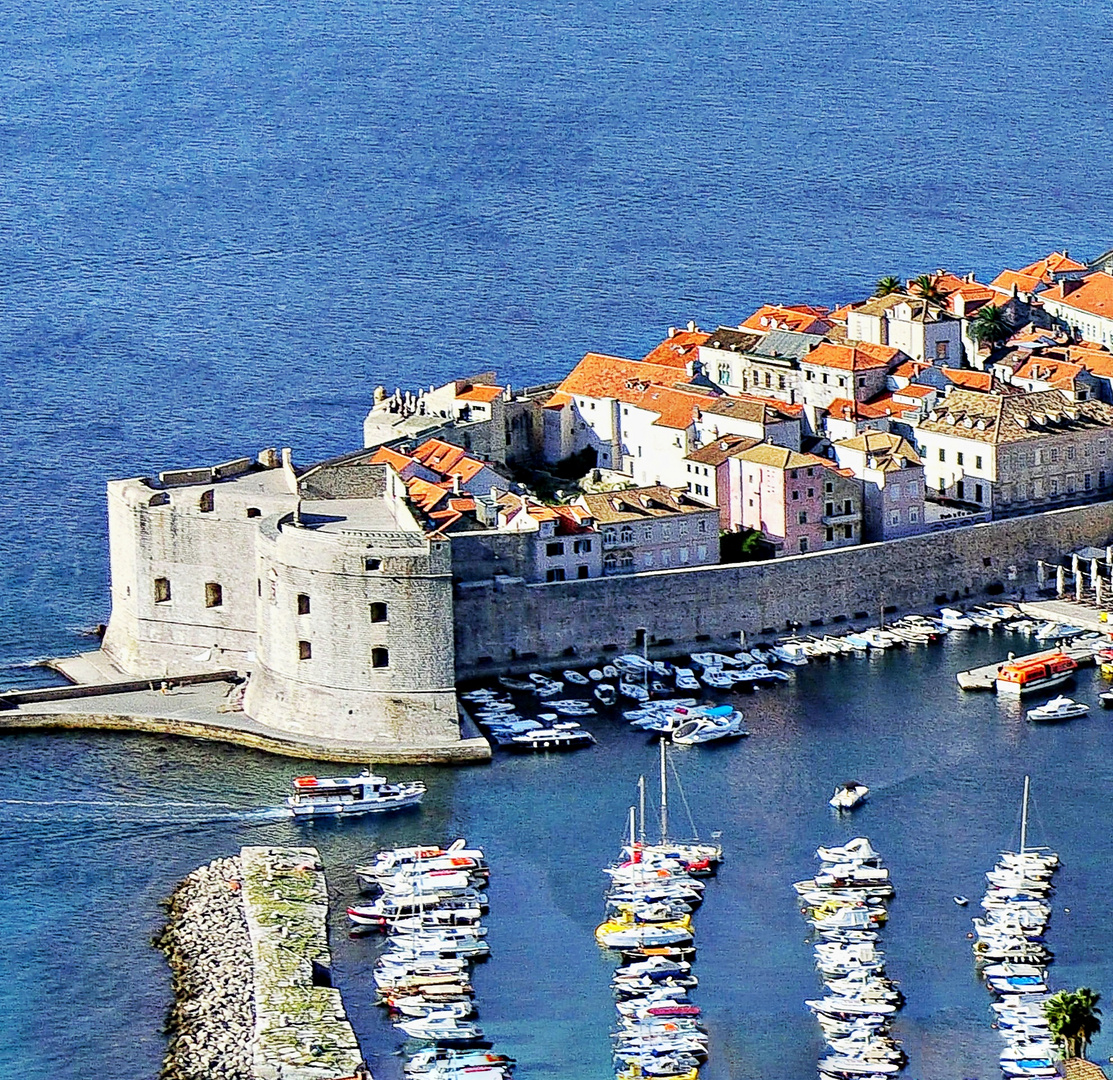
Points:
(362, 794)
(1058, 708)
(953, 619)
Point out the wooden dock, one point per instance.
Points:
(985, 677)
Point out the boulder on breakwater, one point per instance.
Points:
(247, 942)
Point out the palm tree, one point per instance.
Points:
(926, 288)
(989, 326)
(886, 286)
(1074, 1019)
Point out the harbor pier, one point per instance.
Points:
(247, 943)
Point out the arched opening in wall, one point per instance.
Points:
(207, 501)
(380, 658)
(253, 511)
(305, 650)
(303, 603)
(162, 590)
(378, 612)
(161, 499)
(214, 594)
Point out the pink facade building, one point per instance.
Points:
(801, 502)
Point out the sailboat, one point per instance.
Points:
(697, 857)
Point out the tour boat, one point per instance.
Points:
(362, 794)
(1033, 674)
(551, 739)
(848, 795)
(1058, 708)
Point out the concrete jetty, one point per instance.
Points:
(985, 677)
(247, 943)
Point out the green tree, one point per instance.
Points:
(1074, 1019)
(989, 326)
(926, 287)
(886, 286)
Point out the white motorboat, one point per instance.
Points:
(717, 678)
(857, 641)
(605, 694)
(1058, 708)
(439, 1026)
(848, 795)
(569, 675)
(546, 739)
(848, 1006)
(953, 619)
(362, 794)
(686, 679)
(705, 729)
(859, 851)
(790, 653)
(632, 690)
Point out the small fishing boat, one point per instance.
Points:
(344, 795)
(605, 694)
(569, 675)
(848, 795)
(1058, 708)
(515, 684)
(953, 619)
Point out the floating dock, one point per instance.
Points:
(985, 677)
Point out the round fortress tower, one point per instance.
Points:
(354, 617)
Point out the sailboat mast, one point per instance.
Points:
(633, 835)
(1024, 817)
(641, 808)
(664, 798)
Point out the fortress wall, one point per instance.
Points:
(497, 623)
(175, 540)
(336, 692)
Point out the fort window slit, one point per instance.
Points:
(253, 511)
(305, 650)
(207, 501)
(214, 594)
(162, 590)
(303, 603)
(379, 657)
(378, 612)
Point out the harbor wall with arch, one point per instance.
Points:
(506, 622)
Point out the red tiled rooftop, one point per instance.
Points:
(1094, 295)
(679, 350)
(800, 317)
(480, 394)
(852, 356)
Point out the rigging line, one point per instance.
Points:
(684, 799)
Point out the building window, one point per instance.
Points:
(701, 552)
(795, 495)
(842, 381)
(701, 526)
(581, 571)
(894, 517)
(214, 594)
(811, 472)
(647, 533)
(913, 515)
(848, 532)
(626, 534)
(305, 650)
(380, 657)
(803, 517)
(372, 564)
(207, 501)
(829, 509)
(378, 611)
(555, 574)
(682, 554)
(162, 590)
(303, 603)
(847, 507)
(1086, 481)
(253, 511)
(977, 493)
(829, 487)
(780, 382)
(555, 548)
(581, 546)
(978, 462)
(941, 350)
(825, 382)
(258, 586)
(804, 539)
(811, 493)
(610, 563)
(683, 528)
(666, 557)
(960, 458)
(942, 454)
(724, 374)
(626, 561)
(666, 530)
(1101, 478)
(1055, 487)
(830, 533)
(1070, 453)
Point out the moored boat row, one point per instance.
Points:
(845, 903)
(430, 905)
(1013, 957)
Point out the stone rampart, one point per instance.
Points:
(500, 622)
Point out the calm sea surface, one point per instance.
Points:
(221, 226)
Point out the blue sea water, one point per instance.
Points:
(221, 226)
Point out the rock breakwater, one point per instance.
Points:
(209, 951)
(247, 942)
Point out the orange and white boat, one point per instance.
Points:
(1032, 674)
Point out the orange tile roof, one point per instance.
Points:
(679, 350)
(480, 393)
(601, 376)
(1093, 296)
(1057, 373)
(677, 408)
(447, 459)
(385, 456)
(853, 356)
(800, 317)
(1057, 262)
(1092, 358)
(425, 494)
(969, 380)
(1005, 281)
(841, 314)
(910, 369)
(915, 390)
(881, 406)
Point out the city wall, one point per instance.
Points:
(503, 621)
